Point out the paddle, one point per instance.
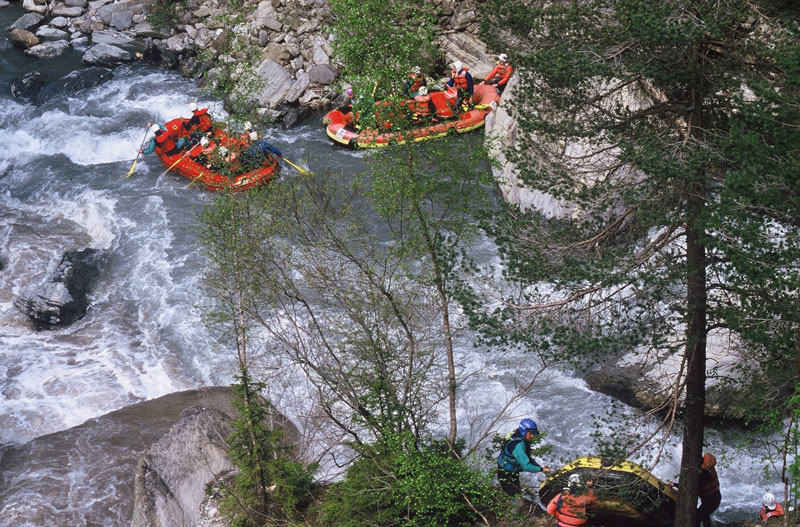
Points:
(176, 162)
(299, 169)
(133, 166)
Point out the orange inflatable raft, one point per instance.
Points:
(186, 163)
(342, 130)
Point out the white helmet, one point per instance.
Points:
(502, 57)
(223, 151)
(192, 106)
(254, 136)
(416, 69)
(248, 125)
(768, 501)
(574, 480)
(204, 141)
(458, 65)
(423, 90)
(155, 128)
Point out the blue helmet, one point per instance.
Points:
(528, 425)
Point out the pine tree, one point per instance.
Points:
(657, 123)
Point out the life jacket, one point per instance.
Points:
(708, 483)
(422, 105)
(774, 513)
(417, 80)
(506, 459)
(569, 509)
(441, 103)
(201, 119)
(460, 79)
(166, 143)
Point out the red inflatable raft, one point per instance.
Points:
(186, 164)
(341, 129)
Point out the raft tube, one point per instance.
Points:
(627, 494)
(187, 167)
(342, 131)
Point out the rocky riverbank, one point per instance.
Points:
(294, 65)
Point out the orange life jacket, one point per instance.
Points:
(774, 513)
(422, 104)
(417, 80)
(166, 143)
(709, 482)
(202, 119)
(460, 79)
(502, 72)
(570, 510)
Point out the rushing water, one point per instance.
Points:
(63, 187)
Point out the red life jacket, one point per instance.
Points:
(709, 482)
(202, 119)
(460, 79)
(166, 143)
(421, 105)
(417, 80)
(570, 510)
(774, 513)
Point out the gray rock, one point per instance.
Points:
(23, 38)
(121, 20)
(120, 40)
(179, 43)
(47, 33)
(67, 11)
(79, 41)
(277, 82)
(63, 298)
(469, 50)
(59, 22)
(26, 21)
(145, 29)
(48, 50)
(106, 55)
(32, 6)
(3, 3)
(74, 82)
(272, 23)
(298, 87)
(205, 37)
(27, 87)
(171, 476)
(322, 74)
(98, 459)
(76, 3)
(277, 52)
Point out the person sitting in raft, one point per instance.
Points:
(162, 140)
(570, 507)
(254, 155)
(423, 105)
(515, 457)
(770, 508)
(415, 81)
(500, 74)
(200, 120)
(461, 78)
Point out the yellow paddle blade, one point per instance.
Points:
(133, 167)
(299, 169)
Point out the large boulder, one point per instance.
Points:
(276, 83)
(120, 40)
(322, 73)
(106, 55)
(48, 50)
(23, 38)
(172, 475)
(63, 297)
(470, 50)
(47, 33)
(75, 82)
(28, 86)
(27, 21)
(93, 463)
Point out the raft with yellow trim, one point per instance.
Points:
(627, 494)
(342, 129)
(186, 164)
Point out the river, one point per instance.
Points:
(63, 187)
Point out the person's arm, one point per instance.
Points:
(150, 148)
(527, 463)
(492, 74)
(470, 83)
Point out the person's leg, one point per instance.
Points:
(707, 506)
(509, 482)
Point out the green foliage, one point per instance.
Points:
(269, 483)
(166, 14)
(401, 484)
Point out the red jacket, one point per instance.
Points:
(201, 120)
(774, 513)
(570, 510)
(503, 71)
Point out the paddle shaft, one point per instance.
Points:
(138, 153)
